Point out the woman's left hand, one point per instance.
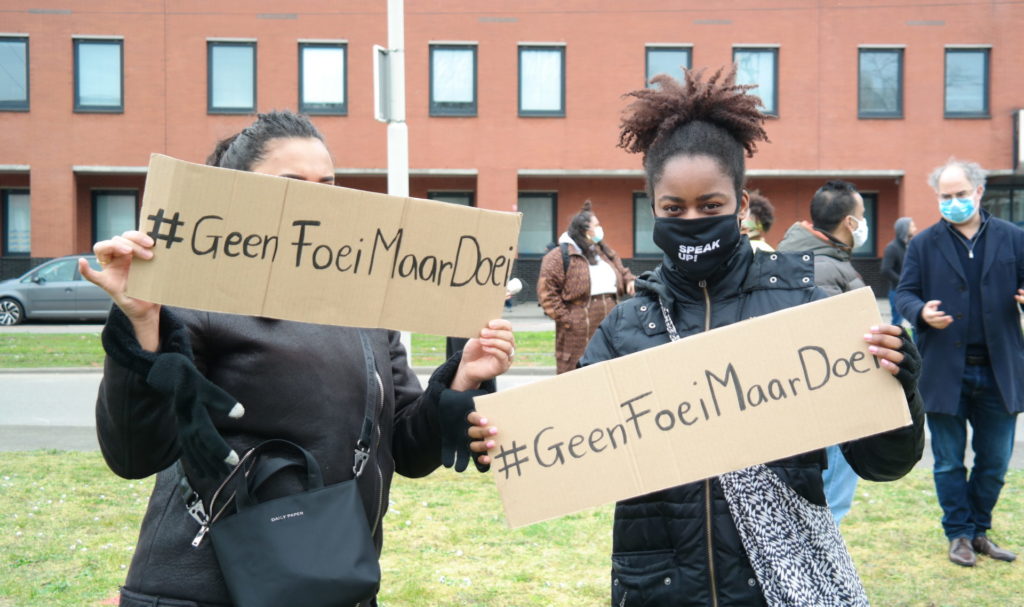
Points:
(486, 356)
(483, 437)
(895, 353)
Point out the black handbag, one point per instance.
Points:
(313, 548)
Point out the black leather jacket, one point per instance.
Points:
(686, 533)
(302, 382)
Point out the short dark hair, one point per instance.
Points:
(831, 203)
(578, 226)
(714, 117)
(247, 148)
(762, 210)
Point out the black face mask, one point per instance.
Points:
(696, 247)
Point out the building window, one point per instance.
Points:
(461, 198)
(99, 75)
(868, 249)
(541, 81)
(880, 83)
(231, 77)
(760, 66)
(13, 73)
(643, 227)
(17, 222)
(452, 80)
(322, 78)
(671, 60)
(1005, 202)
(538, 228)
(967, 83)
(113, 213)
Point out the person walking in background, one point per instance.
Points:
(759, 219)
(892, 261)
(838, 226)
(961, 287)
(580, 281)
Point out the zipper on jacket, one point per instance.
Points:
(707, 483)
(380, 475)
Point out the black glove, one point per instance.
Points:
(193, 396)
(171, 372)
(452, 408)
(910, 367)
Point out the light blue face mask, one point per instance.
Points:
(957, 210)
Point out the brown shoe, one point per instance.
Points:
(961, 553)
(983, 545)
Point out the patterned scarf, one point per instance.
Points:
(794, 546)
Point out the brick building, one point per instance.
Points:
(511, 105)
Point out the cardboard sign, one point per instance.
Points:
(753, 392)
(245, 243)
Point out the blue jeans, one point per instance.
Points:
(840, 483)
(967, 503)
(897, 319)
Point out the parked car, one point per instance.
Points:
(55, 290)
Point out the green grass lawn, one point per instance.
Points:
(69, 529)
(29, 350)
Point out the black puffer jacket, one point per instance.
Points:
(680, 546)
(302, 382)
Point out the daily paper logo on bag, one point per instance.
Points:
(244, 243)
(753, 392)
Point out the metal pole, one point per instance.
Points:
(398, 131)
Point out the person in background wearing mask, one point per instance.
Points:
(761, 535)
(892, 261)
(838, 226)
(580, 282)
(961, 287)
(759, 219)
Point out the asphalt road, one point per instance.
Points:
(55, 410)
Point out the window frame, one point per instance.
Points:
(16, 106)
(774, 51)
(559, 48)
(665, 47)
(77, 43)
(5, 221)
(638, 197)
(900, 77)
(986, 52)
(553, 197)
(449, 108)
(210, 45)
(94, 195)
(321, 109)
(436, 194)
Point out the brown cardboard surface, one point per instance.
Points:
(753, 392)
(245, 243)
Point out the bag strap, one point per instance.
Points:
(374, 395)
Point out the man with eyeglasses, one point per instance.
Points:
(962, 288)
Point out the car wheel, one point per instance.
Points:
(11, 312)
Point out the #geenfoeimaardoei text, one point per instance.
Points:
(714, 395)
(382, 252)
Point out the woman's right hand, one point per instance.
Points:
(115, 257)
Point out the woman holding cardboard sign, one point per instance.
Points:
(762, 535)
(200, 388)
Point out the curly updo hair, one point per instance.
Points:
(248, 148)
(714, 117)
(578, 227)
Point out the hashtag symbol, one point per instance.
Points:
(516, 460)
(158, 223)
